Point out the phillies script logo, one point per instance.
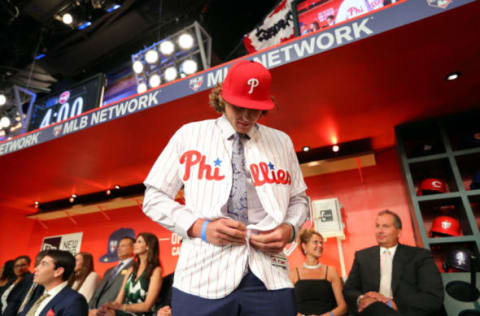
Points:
(196, 83)
(262, 174)
(193, 157)
(57, 130)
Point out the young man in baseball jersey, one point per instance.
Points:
(245, 198)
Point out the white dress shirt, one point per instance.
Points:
(386, 271)
(198, 158)
(52, 293)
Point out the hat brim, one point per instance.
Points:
(247, 103)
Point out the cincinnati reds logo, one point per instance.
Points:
(437, 184)
(261, 175)
(64, 97)
(253, 83)
(193, 157)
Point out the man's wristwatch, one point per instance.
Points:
(359, 299)
(292, 233)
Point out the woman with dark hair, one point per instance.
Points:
(85, 279)
(142, 282)
(7, 276)
(318, 288)
(13, 290)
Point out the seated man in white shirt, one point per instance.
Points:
(392, 278)
(58, 299)
(245, 198)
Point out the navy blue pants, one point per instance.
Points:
(250, 298)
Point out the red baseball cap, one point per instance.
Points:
(247, 85)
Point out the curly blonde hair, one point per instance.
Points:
(218, 103)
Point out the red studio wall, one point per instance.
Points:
(382, 188)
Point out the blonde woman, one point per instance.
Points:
(318, 288)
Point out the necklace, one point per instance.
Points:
(312, 267)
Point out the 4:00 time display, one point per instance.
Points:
(65, 111)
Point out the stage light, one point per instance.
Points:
(167, 48)
(171, 73)
(36, 204)
(108, 192)
(189, 66)
(335, 148)
(151, 56)
(72, 198)
(141, 88)
(113, 8)
(185, 41)
(5, 122)
(154, 81)
(84, 25)
(305, 148)
(453, 76)
(138, 67)
(117, 187)
(3, 99)
(67, 18)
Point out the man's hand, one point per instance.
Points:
(365, 302)
(164, 311)
(272, 241)
(220, 232)
(377, 296)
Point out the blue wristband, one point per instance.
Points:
(389, 303)
(330, 313)
(204, 230)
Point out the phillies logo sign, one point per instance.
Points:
(196, 83)
(446, 225)
(192, 158)
(263, 173)
(442, 4)
(64, 97)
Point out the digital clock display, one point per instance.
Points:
(66, 104)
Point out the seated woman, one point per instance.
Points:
(7, 276)
(142, 282)
(12, 294)
(318, 288)
(85, 279)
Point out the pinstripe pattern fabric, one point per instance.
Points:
(198, 157)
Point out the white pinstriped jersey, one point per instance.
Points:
(198, 157)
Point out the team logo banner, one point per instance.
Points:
(68, 242)
(277, 27)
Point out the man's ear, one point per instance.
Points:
(58, 272)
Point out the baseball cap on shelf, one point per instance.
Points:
(247, 85)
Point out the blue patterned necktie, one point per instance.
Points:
(114, 273)
(237, 202)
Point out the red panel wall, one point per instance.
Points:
(382, 188)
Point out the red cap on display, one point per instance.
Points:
(445, 225)
(247, 85)
(432, 185)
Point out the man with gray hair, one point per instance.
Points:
(392, 278)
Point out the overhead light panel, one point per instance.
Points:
(167, 47)
(67, 18)
(151, 56)
(154, 80)
(171, 73)
(141, 88)
(185, 41)
(138, 67)
(189, 66)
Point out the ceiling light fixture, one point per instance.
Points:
(171, 73)
(141, 88)
(453, 76)
(189, 66)
(185, 41)
(138, 67)
(167, 48)
(305, 148)
(335, 148)
(151, 56)
(154, 80)
(67, 18)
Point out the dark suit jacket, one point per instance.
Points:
(416, 282)
(16, 296)
(108, 292)
(66, 303)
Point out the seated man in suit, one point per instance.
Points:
(391, 278)
(58, 299)
(112, 280)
